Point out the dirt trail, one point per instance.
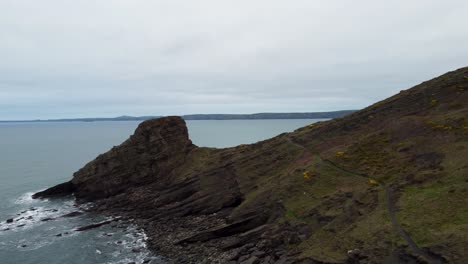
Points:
(390, 206)
(397, 226)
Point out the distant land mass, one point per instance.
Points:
(311, 115)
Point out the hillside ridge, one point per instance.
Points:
(345, 190)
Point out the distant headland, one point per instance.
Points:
(257, 116)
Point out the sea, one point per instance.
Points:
(37, 155)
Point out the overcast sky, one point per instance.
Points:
(104, 58)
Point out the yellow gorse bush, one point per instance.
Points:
(373, 182)
(340, 154)
(242, 146)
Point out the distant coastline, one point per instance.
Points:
(257, 116)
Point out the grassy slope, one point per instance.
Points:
(416, 142)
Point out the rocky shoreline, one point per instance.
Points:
(184, 222)
(174, 240)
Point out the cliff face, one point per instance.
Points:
(151, 153)
(384, 184)
(155, 149)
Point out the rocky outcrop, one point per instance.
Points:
(152, 153)
(62, 189)
(160, 177)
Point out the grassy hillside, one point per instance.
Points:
(330, 178)
(387, 184)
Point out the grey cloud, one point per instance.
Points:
(64, 58)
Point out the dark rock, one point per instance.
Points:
(267, 260)
(73, 214)
(96, 225)
(235, 254)
(279, 252)
(429, 160)
(282, 260)
(47, 219)
(258, 253)
(21, 225)
(144, 156)
(223, 231)
(136, 250)
(243, 258)
(59, 235)
(251, 260)
(9, 220)
(249, 245)
(62, 189)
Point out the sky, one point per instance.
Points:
(106, 58)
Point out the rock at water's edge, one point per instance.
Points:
(62, 189)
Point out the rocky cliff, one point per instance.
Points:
(384, 184)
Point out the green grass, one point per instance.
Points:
(431, 211)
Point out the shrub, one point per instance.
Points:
(373, 182)
(340, 154)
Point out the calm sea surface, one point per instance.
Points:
(34, 156)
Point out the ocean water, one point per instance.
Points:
(34, 156)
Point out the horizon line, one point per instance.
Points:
(197, 116)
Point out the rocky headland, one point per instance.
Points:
(387, 184)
